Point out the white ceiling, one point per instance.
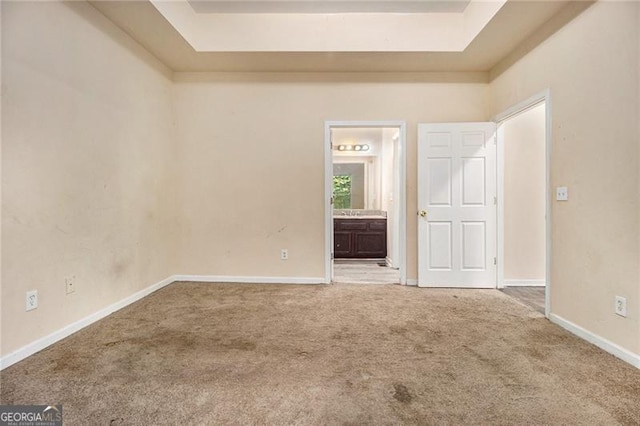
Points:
(328, 6)
(516, 28)
(327, 32)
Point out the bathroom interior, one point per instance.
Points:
(365, 208)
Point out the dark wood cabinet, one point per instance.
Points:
(360, 238)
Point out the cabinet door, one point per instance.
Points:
(371, 244)
(343, 244)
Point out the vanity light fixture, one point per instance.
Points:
(363, 147)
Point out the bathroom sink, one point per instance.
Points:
(361, 217)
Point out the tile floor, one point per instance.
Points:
(530, 296)
(364, 271)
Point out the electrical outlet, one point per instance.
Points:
(621, 306)
(70, 284)
(284, 254)
(562, 193)
(32, 300)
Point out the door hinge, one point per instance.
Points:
(495, 261)
(495, 139)
(495, 201)
(331, 201)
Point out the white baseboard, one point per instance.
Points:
(38, 345)
(524, 283)
(68, 330)
(604, 344)
(249, 280)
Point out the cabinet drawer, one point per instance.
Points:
(350, 225)
(378, 225)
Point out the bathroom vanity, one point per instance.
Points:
(362, 237)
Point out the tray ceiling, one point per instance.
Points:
(328, 6)
(517, 27)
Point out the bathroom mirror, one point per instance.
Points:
(354, 184)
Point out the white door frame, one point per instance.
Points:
(401, 163)
(535, 100)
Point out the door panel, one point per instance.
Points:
(440, 256)
(473, 246)
(456, 189)
(440, 181)
(473, 182)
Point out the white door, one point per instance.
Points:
(457, 205)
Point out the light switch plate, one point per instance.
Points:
(562, 193)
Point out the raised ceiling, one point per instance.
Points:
(516, 25)
(329, 6)
(328, 32)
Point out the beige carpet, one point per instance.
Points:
(278, 354)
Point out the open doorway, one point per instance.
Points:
(366, 212)
(523, 208)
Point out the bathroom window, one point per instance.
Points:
(342, 192)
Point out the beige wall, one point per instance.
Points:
(524, 196)
(591, 68)
(1, 175)
(86, 180)
(637, 67)
(250, 188)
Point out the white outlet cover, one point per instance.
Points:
(562, 193)
(32, 300)
(70, 284)
(621, 306)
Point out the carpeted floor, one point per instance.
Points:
(343, 354)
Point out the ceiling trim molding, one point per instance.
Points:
(332, 77)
